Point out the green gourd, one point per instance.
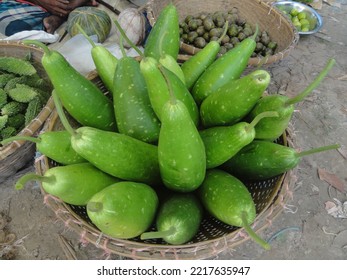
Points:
(74, 184)
(181, 92)
(227, 199)
(134, 114)
(229, 104)
(195, 66)
(83, 100)
(181, 151)
(261, 160)
(271, 129)
(123, 210)
(164, 37)
(178, 219)
(223, 142)
(105, 62)
(171, 64)
(55, 145)
(227, 67)
(159, 80)
(119, 155)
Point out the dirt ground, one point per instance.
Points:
(313, 223)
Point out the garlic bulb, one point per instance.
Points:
(133, 22)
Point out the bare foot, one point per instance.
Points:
(51, 23)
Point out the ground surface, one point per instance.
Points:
(305, 229)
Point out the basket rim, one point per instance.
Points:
(253, 61)
(137, 250)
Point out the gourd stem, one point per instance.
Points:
(94, 206)
(61, 114)
(121, 45)
(37, 44)
(158, 234)
(318, 150)
(252, 234)
(80, 29)
(29, 177)
(168, 82)
(260, 76)
(121, 31)
(256, 32)
(255, 121)
(20, 137)
(226, 26)
(313, 85)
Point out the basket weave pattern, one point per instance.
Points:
(15, 155)
(280, 29)
(270, 197)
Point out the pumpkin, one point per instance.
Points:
(133, 22)
(92, 20)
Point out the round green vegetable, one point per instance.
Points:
(92, 20)
(124, 209)
(178, 219)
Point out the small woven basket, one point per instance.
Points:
(17, 154)
(213, 237)
(280, 29)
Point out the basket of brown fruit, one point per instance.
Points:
(203, 21)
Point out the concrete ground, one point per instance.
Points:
(313, 223)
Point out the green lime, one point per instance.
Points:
(304, 22)
(294, 12)
(305, 29)
(301, 15)
(295, 19)
(297, 25)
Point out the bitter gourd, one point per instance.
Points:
(17, 66)
(3, 121)
(7, 132)
(14, 81)
(5, 78)
(16, 121)
(23, 93)
(3, 98)
(13, 108)
(33, 109)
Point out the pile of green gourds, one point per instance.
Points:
(174, 141)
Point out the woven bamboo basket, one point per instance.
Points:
(280, 29)
(17, 154)
(213, 237)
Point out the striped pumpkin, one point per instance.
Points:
(92, 20)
